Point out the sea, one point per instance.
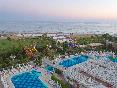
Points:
(53, 27)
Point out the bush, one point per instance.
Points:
(63, 84)
(8, 38)
(59, 72)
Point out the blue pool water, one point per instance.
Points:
(28, 80)
(49, 68)
(73, 61)
(109, 58)
(113, 59)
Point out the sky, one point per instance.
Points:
(57, 9)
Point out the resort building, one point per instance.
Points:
(61, 37)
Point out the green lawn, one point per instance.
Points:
(15, 43)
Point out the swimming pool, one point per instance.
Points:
(108, 58)
(49, 68)
(113, 59)
(28, 80)
(73, 61)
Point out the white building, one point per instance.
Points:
(61, 38)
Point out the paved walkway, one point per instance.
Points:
(45, 76)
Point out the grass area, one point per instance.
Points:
(5, 43)
(63, 84)
(12, 46)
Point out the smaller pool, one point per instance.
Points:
(73, 61)
(28, 80)
(49, 68)
(108, 58)
(113, 59)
